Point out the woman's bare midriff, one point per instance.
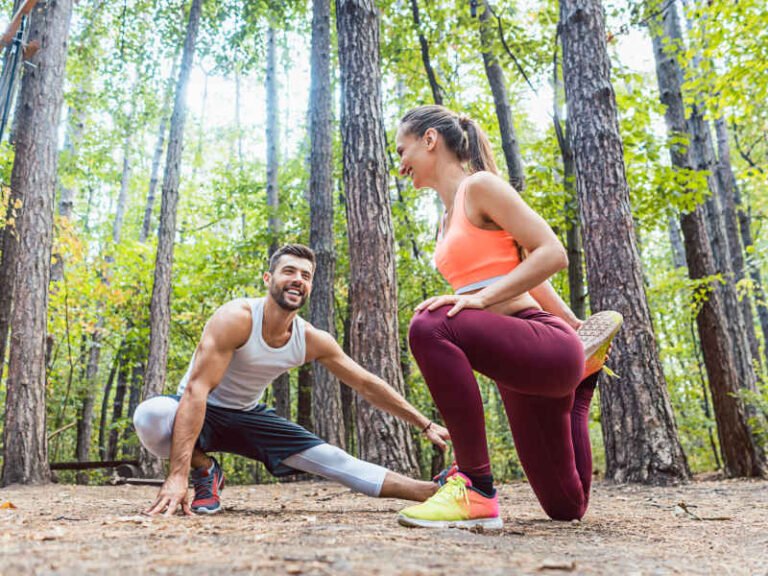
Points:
(513, 306)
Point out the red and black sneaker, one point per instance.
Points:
(208, 484)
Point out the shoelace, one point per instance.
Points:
(204, 485)
(453, 489)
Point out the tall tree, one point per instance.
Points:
(742, 454)
(434, 85)
(160, 308)
(281, 387)
(34, 180)
(704, 161)
(326, 398)
(495, 75)
(157, 157)
(374, 326)
(576, 289)
(727, 187)
(639, 430)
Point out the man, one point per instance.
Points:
(245, 345)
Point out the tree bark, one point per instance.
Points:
(374, 327)
(639, 430)
(160, 308)
(495, 75)
(34, 178)
(326, 398)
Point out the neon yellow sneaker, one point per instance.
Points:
(596, 334)
(456, 505)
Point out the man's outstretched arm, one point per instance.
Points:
(227, 329)
(322, 347)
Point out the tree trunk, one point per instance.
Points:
(576, 290)
(574, 243)
(741, 453)
(105, 405)
(703, 160)
(745, 230)
(72, 137)
(281, 387)
(160, 308)
(495, 74)
(639, 430)
(434, 85)
(146, 226)
(34, 178)
(304, 398)
(326, 397)
(137, 377)
(122, 199)
(374, 327)
(727, 189)
(676, 241)
(117, 404)
(85, 418)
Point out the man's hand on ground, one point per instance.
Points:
(438, 435)
(171, 495)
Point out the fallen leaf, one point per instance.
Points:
(8, 505)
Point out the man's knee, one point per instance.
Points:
(153, 421)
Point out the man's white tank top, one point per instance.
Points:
(255, 364)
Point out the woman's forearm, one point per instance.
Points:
(551, 302)
(529, 274)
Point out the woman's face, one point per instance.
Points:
(415, 158)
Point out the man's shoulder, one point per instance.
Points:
(319, 342)
(232, 321)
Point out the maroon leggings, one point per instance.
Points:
(536, 360)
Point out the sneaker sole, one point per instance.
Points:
(485, 523)
(598, 330)
(207, 511)
(596, 335)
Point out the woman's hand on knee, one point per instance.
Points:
(459, 303)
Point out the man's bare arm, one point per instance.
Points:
(227, 330)
(322, 347)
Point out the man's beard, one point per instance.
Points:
(279, 296)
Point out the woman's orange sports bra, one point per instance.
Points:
(470, 258)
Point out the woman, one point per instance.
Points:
(504, 321)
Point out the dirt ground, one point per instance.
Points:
(706, 527)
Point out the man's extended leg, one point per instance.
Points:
(334, 464)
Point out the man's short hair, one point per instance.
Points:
(298, 250)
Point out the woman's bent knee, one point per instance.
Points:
(424, 327)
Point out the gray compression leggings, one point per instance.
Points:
(154, 419)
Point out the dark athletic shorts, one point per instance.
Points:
(259, 434)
